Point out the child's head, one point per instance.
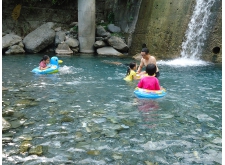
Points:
(151, 69)
(133, 65)
(45, 58)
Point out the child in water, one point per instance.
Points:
(149, 82)
(131, 74)
(44, 62)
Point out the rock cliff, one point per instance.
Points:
(159, 24)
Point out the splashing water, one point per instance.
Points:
(68, 70)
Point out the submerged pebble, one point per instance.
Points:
(93, 152)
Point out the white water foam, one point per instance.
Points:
(184, 62)
(68, 70)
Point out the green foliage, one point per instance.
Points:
(75, 28)
(111, 17)
(131, 19)
(117, 34)
(103, 24)
(54, 2)
(128, 4)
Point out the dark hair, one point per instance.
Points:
(145, 50)
(144, 45)
(131, 66)
(151, 69)
(44, 58)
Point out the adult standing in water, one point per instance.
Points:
(145, 60)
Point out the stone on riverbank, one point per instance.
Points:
(108, 51)
(101, 32)
(113, 29)
(63, 49)
(40, 38)
(99, 44)
(9, 40)
(15, 49)
(118, 44)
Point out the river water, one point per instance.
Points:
(87, 113)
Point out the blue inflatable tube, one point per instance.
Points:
(149, 94)
(53, 67)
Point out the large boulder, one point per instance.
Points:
(99, 44)
(15, 49)
(40, 38)
(118, 44)
(60, 37)
(63, 49)
(137, 56)
(9, 40)
(113, 29)
(72, 42)
(101, 32)
(108, 51)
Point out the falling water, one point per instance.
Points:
(197, 30)
(195, 36)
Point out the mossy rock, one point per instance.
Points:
(36, 150)
(93, 152)
(25, 146)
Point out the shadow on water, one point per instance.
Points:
(87, 114)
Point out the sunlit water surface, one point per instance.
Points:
(87, 113)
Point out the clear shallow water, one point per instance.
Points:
(87, 113)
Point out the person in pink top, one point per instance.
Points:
(149, 82)
(43, 63)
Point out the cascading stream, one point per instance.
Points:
(196, 33)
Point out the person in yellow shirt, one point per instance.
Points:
(131, 74)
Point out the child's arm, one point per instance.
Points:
(43, 68)
(135, 77)
(140, 66)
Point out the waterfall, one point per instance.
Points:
(196, 33)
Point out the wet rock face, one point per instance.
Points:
(160, 24)
(213, 47)
(164, 30)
